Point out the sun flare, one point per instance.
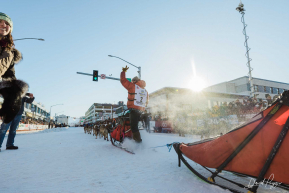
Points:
(196, 83)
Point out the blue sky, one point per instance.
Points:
(163, 37)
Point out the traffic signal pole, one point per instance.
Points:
(112, 78)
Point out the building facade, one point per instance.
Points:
(35, 110)
(101, 111)
(262, 87)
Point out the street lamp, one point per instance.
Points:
(29, 39)
(242, 10)
(50, 109)
(138, 67)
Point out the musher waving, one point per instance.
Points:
(137, 101)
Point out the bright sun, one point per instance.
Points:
(197, 84)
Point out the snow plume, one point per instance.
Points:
(177, 106)
(188, 113)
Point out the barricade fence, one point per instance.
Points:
(30, 127)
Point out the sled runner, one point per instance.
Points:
(121, 131)
(257, 149)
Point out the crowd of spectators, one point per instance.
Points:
(242, 106)
(33, 121)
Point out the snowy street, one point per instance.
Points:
(67, 160)
(71, 161)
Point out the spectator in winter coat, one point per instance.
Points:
(258, 107)
(11, 89)
(223, 109)
(231, 108)
(269, 99)
(137, 101)
(13, 125)
(146, 121)
(264, 105)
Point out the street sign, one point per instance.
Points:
(102, 76)
(129, 79)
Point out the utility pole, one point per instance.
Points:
(241, 10)
(111, 112)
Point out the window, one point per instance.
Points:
(271, 90)
(275, 90)
(281, 90)
(267, 89)
(256, 88)
(243, 88)
(248, 87)
(261, 88)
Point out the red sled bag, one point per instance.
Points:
(116, 134)
(121, 131)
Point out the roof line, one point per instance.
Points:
(246, 77)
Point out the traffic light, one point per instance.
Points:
(95, 75)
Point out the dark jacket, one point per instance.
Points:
(12, 91)
(27, 100)
(7, 61)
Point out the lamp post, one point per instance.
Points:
(29, 39)
(138, 67)
(241, 10)
(53, 106)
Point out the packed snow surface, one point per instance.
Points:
(67, 160)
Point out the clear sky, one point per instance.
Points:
(168, 39)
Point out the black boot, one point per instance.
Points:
(136, 137)
(11, 147)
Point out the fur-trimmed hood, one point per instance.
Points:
(17, 56)
(141, 83)
(19, 84)
(8, 59)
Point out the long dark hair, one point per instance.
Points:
(9, 40)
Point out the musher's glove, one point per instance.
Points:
(125, 69)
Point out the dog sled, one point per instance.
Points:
(256, 150)
(121, 131)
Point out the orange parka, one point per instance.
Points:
(132, 92)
